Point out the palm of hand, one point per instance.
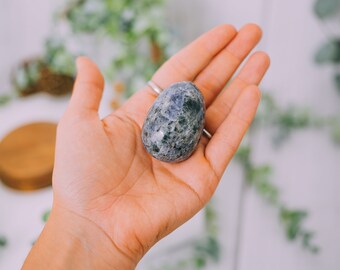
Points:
(121, 188)
(104, 174)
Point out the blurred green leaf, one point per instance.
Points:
(46, 215)
(295, 117)
(137, 27)
(243, 155)
(292, 231)
(58, 58)
(3, 241)
(326, 8)
(337, 81)
(292, 216)
(257, 173)
(292, 221)
(258, 176)
(329, 52)
(307, 238)
(4, 99)
(335, 130)
(267, 111)
(199, 262)
(211, 223)
(208, 248)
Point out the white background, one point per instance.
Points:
(306, 168)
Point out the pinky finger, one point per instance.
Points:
(223, 145)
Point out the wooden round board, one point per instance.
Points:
(27, 156)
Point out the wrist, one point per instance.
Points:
(70, 241)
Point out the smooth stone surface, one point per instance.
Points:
(175, 122)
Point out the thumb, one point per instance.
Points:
(88, 87)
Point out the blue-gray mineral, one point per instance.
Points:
(174, 124)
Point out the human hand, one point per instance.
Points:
(109, 193)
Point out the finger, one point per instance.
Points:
(215, 76)
(251, 74)
(88, 87)
(195, 57)
(184, 66)
(228, 136)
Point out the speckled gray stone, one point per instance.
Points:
(175, 122)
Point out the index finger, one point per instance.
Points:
(184, 66)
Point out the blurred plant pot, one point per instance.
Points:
(34, 75)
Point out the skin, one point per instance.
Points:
(112, 200)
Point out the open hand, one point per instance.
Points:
(106, 182)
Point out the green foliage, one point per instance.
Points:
(329, 52)
(292, 220)
(337, 81)
(211, 219)
(243, 156)
(3, 241)
(326, 8)
(289, 119)
(259, 177)
(122, 19)
(31, 75)
(292, 118)
(136, 29)
(4, 99)
(335, 130)
(267, 111)
(46, 215)
(284, 121)
(208, 248)
(27, 74)
(58, 59)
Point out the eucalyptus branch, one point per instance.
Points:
(283, 121)
(4, 99)
(258, 176)
(329, 52)
(3, 241)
